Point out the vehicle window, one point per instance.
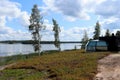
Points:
(101, 43)
(92, 43)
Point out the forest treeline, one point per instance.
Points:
(31, 42)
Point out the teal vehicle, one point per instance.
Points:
(96, 45)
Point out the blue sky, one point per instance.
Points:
(73, 17)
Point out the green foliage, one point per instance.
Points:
(56, 30)
(21, 74)
(97, 31)
(68, 65)
(36, 24)
(11, 59)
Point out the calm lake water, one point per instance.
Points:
(14, 49)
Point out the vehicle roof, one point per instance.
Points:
(94, 40)
(97, 40)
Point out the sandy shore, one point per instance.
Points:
(109, 68)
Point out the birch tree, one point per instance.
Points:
(56, 30)
(84, 39)
(36, 25)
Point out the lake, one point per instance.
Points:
(14, 49)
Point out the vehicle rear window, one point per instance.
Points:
(92, 43)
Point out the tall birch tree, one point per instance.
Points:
(36, 25)
(56, 30)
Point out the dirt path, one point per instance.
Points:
(109, 68)
(5, 66)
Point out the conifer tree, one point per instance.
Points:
(107, 34)
(97, 31)
(118, 33)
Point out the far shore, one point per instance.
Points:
(31, 42)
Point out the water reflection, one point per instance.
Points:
(13, 49)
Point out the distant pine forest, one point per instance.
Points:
(31, 42)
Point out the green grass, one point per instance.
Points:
(14, 58)
(21, 74)
(66, 65)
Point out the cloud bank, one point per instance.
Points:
(107, 11)
(9, 11)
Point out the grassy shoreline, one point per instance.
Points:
(13, 58)
(65, 65)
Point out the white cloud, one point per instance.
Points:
(15, 35)
(75, 33)
(69, 8)
(9, 8)
(8, 11)
(80, 9)
(73, 9)
(24, 18)
(2, 20)
(72, 34)
(109, 15)
(107, 10)
(12, 10)
(47, 33)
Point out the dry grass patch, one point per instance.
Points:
(66, 65)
